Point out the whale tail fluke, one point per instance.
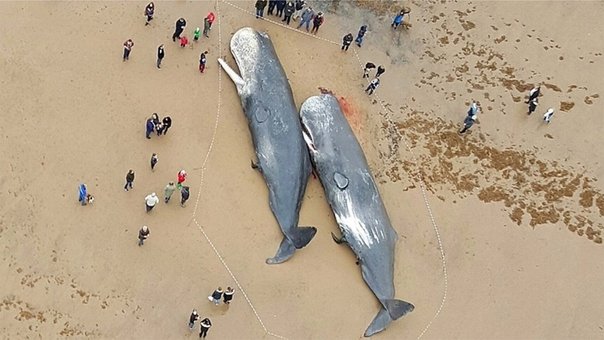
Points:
(300, 237)
(393, 310)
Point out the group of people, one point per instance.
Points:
(289, 10)
(215, 297)
(375, 82)
(180, 26)
(154, 124)
(347, 39)
(533, 101)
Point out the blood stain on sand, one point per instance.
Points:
(351, 113)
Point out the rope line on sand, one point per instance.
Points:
(422, 187)
(201, 181)
(418, 175)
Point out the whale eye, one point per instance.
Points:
(341, 180)
(262, 115)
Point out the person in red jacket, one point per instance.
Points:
(207, 24)
(317, 21)
(182, 176)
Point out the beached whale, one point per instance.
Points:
(355, 201)
(274, 123)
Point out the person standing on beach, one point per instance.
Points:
(160, 55)
(167, 122)
(184, 195)
(182, 176)
(168, 191)
(159, 128)
(181, 23)
(398, 20)
(228, 295)
(534, 93)
(260, 4)
(380, 70)
(143, 233)
(532, 105)
(129, 180)
(184, 41)
(467, 124)
(369, 66)
(196, 34)
(346, 41)
(82, 191)
(547, 116)
(207, 24)
(280, 7)
(153, 161)
(307, 16)
(150, 127)
(299, 7)
(317, 22)
(289, 11)
(216, 296)
(271, 6)
(202, 61)
(149, 10)
(205, 325)
(194, 317)
(128, 44)
(155, 118)
(473, 110)
(150, 201)
(373, 85)
(361, 35)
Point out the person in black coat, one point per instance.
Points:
(290, 8)
(271, 6)
(280, 7)
(184, 194)
(167, 121)
(180, 27)
(160, 55)
(346, 41)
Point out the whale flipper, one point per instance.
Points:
(300, 238)
(394, 310)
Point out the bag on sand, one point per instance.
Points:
(211, 298)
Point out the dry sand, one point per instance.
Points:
(518, 204)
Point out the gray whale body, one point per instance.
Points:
(274, 123)
(355, 201)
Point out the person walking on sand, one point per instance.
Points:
(205, 325)
(181, 23)
(346, 41)
(361, 35)
(317, 22)
(150, 127)
(207, 24)
(143, 233)
(83, 193)
(160, 55)
(289, 11)
(398, 20)
(184, 195)
(467, 124)
(168, 191)
(307, 16)
(216, 296)
(128, 44)
(153, 161)
(194, 317)
(280, 7)
(129, 180)
(167, 122)
(373, 85)
(368, 67)
(149, 10)
(150, 201)
(533, 105)
(547, 116)
(260, 4)
(202, 61)
(228, 295)
(380, 70)
(534, 93)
